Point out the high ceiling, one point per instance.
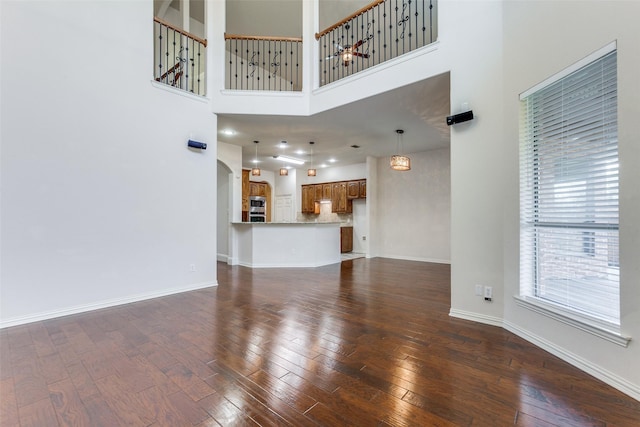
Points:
(419, 109)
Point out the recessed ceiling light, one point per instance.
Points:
(324, 166)
(289, 159)
(355, 146)
(332, 160)
(228, 132)
(299, 152)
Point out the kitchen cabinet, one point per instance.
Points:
(363, 188)
(245, 190)
(346, 239)
(262, 189)
(258, 189)
(326, 191)
(353, 189)
(317, 191)
(308, 196)
(339, 197)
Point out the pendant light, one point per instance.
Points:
(311, 171)
(255, 171)
(400, 162)
(283, 171)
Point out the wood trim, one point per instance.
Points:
(183, 32)
(262, 38)
(349, 18)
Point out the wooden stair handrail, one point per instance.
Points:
(349, 18)
(264, 38)
(178, 30)
(169, 71)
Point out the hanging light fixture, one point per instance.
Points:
(283, 171)
(311, 171)
(400, 162)
(255, 171)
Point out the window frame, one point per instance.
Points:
(529, 295)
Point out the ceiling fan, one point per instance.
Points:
(347, 53)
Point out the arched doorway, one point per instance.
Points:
(224, 204)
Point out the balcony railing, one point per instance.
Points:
(374, 34)
(263, 63)
(180, 58)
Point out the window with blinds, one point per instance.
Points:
(569, 191)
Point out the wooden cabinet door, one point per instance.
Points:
(339, 197)
(307, 199)
(346, 239)
(353, 189)
(245, 190)
(253, 189)
(363, 188)
(317, 191)
(326, 191)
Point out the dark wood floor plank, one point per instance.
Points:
(127, 406)
(100, 412)
(364, 342)
(38, 414)
(188, 382)
(82, 381)
(68, 405)
(8, 404)
(183, 404)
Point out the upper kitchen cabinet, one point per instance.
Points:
(326, 191)
(318, 193)
(339, 197)
(308, 199)
(353, 189)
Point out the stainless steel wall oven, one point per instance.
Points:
(257, 209)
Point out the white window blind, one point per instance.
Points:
(569, 192)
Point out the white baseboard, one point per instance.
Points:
(602, 374)
(476, 317)
(223, 258)
(409, 258)
(6, 323)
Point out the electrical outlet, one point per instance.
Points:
(479, 290)
(488, 293)
(364, 237)
(192, 267)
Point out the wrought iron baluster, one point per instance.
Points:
(430, 21)
(199, 59)
(423, 27)
(159, 51)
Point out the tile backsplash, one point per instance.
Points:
(325, 216)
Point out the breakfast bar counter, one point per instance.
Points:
(287, 244)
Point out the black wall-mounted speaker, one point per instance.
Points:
(459, 118)
(196, 144)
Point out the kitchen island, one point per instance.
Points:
(287, 244)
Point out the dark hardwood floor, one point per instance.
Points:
(368, 342)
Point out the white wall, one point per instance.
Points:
(413, 218)
(497, 58)
(530, 57)
(286, 184)
(102, 202)
(333, 173)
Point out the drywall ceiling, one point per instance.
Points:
(420, 109)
